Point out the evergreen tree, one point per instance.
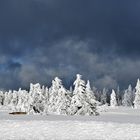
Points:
(90, 98)
(96, 93)
(104, 96)
(119, 96)
(89, 93)
(23, 104)
(53, 93)
(137, 95)
(14, 101)
(80, 104)
(37, 103)
(113, 101)
(59, 100)
(133, 96)
(128, 97)
(63, 102)
(46, 100)
(7, 98)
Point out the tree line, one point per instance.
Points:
(82, 100)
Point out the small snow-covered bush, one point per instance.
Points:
(103, 108)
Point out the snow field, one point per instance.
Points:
(114, 124)
(67, 130)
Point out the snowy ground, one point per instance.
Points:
(115, 124)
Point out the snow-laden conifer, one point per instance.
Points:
(7, 98)
(128, 97)
(104, 97)
(14, 101)
(59, 100)
(81, 103)
(90, 98)
(37, 98)
(23, 104)
(137, 95)
(63, 102)
(113, 101)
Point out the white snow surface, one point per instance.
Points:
(115, 124)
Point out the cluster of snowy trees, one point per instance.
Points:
(54, 100)
(82, 100)
(130, 98)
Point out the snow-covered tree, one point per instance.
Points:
(7, 98)
(113, 101)
(14, 101)
(137, 95)
(46, 100)
(81, 104)
(89, 93)
(53, 94)
(104, 96)
(23, 104)
(19, 106)
(133, 95)
(119, 96)
(128, 97)
(90, 98)
(38, 99)
(59, 100)
(96, 93)
(63, 102)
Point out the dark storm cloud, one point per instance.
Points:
(40, 39)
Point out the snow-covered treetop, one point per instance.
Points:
(35, 88)
(129, 88)
(56, 83)
(113, 93)
(137, 95)
(88, 89)
(113, 101)
(79, 82)
(89, 93)
(88, 85)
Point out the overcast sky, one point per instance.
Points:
(41, 39)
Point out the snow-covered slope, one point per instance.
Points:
(115, 124)
(67, 130)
